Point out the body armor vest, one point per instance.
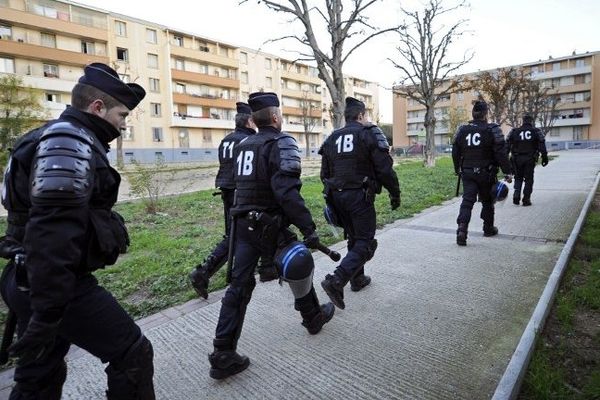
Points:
(524, 140)
(225, 176)
(251, 173)
(348, 157)
(477, 145)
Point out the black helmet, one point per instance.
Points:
(330, 216)
(499, 191)
(294, 261)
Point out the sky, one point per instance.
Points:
(498, 32)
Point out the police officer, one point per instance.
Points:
(525, 143)
(267, 199)
(355, 164)
(199, 277)
(59, 190)
(478, 149)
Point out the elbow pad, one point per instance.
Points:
(61, 173)
(289, 156)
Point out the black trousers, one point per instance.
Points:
(357, 214)
(221, 250)
(524, 166)
(250, 245)
(93, 320)
(477, 186)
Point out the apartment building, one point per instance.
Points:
(192, 82)
(574, 80)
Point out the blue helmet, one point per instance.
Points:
(294, 261)
(499, 191)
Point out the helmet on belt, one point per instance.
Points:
(499, 191)
(330, 216)
(294, 261)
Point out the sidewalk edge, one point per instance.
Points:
(510, 383)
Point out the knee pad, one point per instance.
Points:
(296, 266)
(131, 376)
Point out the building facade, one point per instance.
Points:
(192, 82)
(574, 80)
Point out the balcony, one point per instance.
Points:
(297, 111)
(63, 27)
(36, 52)
(362, 90)
(51, 84)
(301, 94)
(207, 57)
(562, 72)
(571, 121)
(285, 74)
(54, 109)
(573, 104)
(299, 128)
(580, 87)
(205, 79)
(197, 100)
(199, 122)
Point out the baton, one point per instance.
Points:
(334, 255)
(457, 185)
(9, 331)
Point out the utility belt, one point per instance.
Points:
(491, 171)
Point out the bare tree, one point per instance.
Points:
(308, 107)
(424, 68)
(124, 77)
(502, 89)
(540, 102)
(348, 28)
(456, 117)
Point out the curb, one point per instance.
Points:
(510, 383)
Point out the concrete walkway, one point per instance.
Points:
(438, 322)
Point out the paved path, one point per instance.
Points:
(438, 322)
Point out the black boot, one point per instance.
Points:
(334, 287)
(526, 201)
(461, 234)
(200, 276)
(359, 282)
(516, 200)
(313, 325)
(225, 361)
(489, 230)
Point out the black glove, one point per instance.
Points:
(311, 240)
(544, 160)
(36, 343)
(395, 202)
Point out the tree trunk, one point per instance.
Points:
(307, 139)
(429, 137)
(120, 162)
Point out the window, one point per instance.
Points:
(269, 82)
(180, 64)
(244, 77)
(203, 47)
(460, 95)
(267, 63)
(120, 28)
(580, 63)
(155, 109)
(5, 32)
(203, 69)
(298, 69)
(151, 36)
(244, 58)
(127, 134)
(157, 134)
(178, 40)
(7, 65)
(206, 135)
(180, 88)
(122, 54)
(152, 60)
(87, 47)
(50, 71)
(54, 97)
(556, 67)
(245, 96)
(154, 85)
(48, 40)
(223, 51)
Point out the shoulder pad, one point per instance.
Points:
(382, 142)
(61, 173)
(289, 155)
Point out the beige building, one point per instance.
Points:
(192, 82)
(574, 80)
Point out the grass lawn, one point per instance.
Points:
(566, 361)
(165, 246)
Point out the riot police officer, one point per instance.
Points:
(199, 277)
(525, 143)
(267, 200)
(59, 190)
(355, 165)
(478, 149)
